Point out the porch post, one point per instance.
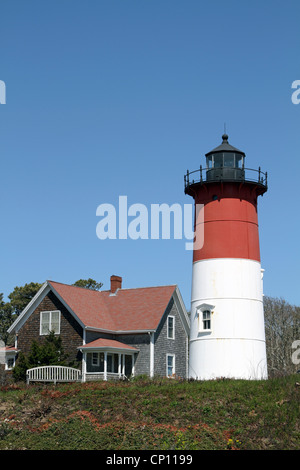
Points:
(123, 364)
(120, 365)
(105, 365)
(132, 365)
(83, 372)
(151, 354)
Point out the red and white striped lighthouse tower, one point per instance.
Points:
(227, 337)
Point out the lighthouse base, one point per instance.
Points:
(231, 344)
(228, 358)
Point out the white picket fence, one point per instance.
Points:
(53, 374)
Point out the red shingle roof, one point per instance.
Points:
(8, 349)
(127, 310)
(108, 343)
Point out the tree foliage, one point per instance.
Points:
(50, 352)
(6, 319)
(282, 326)
(21, 296)
(88, 284)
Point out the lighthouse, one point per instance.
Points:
(227, 335)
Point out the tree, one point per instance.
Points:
(282, 326)
(50, 352)
(21, 296)
(88, 284)
(6, 319)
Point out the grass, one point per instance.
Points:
(157, 414)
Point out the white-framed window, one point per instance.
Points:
(95, 359)
(205, 318)
(10, 362)
(171, 327)
(50, 321)
(112, 362)
(170, 359)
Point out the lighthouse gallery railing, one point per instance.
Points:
(249, 175)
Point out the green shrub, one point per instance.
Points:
(50, 352)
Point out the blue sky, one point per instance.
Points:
(120, 97)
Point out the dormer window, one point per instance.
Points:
(206, 319)
(204, 312)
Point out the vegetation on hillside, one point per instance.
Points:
(157, 414)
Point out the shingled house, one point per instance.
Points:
(111, 333)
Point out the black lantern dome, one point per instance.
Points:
(225, 162)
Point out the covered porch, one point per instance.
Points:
(106, 359)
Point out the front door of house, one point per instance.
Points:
(127, 365)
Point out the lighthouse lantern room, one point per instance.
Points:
(227, 336)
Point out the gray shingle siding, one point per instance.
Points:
(139, 341)
(163, 345)
(142, 359)
(93, 335)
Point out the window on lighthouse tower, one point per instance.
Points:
(229, 160)
(206, 319)
(204, 312)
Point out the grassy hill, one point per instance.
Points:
(158, 414)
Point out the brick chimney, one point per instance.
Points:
(115, 283)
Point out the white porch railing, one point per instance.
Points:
(93, 376)
(53, 374)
